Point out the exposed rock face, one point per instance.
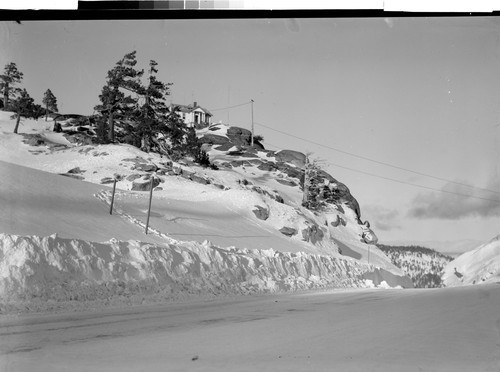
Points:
(336, 223)
(239, 136)
(213, 139)
(286, 182)
(76, 170)
(145, 167)
(107, 180)
(261, 213)
(288, 231)
(292, 157)
(144, 185)
(236, 136)
(313, 234)
(72, 175)
(199, 179)
(274, 195)
(133, 177)
(33, 139)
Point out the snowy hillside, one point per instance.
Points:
(244, 220)
(479, 266)
(423, 265)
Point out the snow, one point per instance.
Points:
(61, 250)
(52, 268)
(450, 329)
(59, 241)
(479, 266)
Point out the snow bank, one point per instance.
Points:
(52, 268)
(479, 266)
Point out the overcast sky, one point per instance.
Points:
(421, 94)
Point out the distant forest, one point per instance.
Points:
(411, 248)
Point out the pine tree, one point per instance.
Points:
(50, 102)
(313, 192)
(176, 131)
(8, 80)
(153, 114)
(23, 105)
(115, 105)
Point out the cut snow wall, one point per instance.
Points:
(58, 269)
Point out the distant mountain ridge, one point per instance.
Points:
(450, 248)
(423, 265)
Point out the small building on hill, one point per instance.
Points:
(193, 115)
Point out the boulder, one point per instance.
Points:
(106, 180)
(286, 182)
(313, 234)
(336, 223)
(146, 167)
(239, 136)
(144, 185)
(261, 213)
(76, 170)
(288, 231)
(224, 147)
(213, 139)
(199, 179)
(267, 166)
(72, 175)
(33, 139)
(133, 177)
(81, 139)
(290, 156)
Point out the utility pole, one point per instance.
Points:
(252, 124)
(150, 198)
(112, 197)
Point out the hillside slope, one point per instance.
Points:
(479, 266)
(253, 202)
(423, 265)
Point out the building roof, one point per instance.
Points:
(190, 108)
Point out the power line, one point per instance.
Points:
(230, 107)
(378, 162)
(414, 184)
(399, 181)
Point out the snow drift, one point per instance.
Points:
(479, 266)
(61, 269)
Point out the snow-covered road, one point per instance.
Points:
(455, 329)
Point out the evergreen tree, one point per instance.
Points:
(115, 105)
(8, 80)
(23, 105)
(153, 114)
(313, 191)
(176, 131)
(50, 102)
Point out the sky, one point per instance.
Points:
(404, 111)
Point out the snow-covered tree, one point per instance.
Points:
(8, 80)
(50, 102)
(23, 105)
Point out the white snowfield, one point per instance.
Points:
(479, 266)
